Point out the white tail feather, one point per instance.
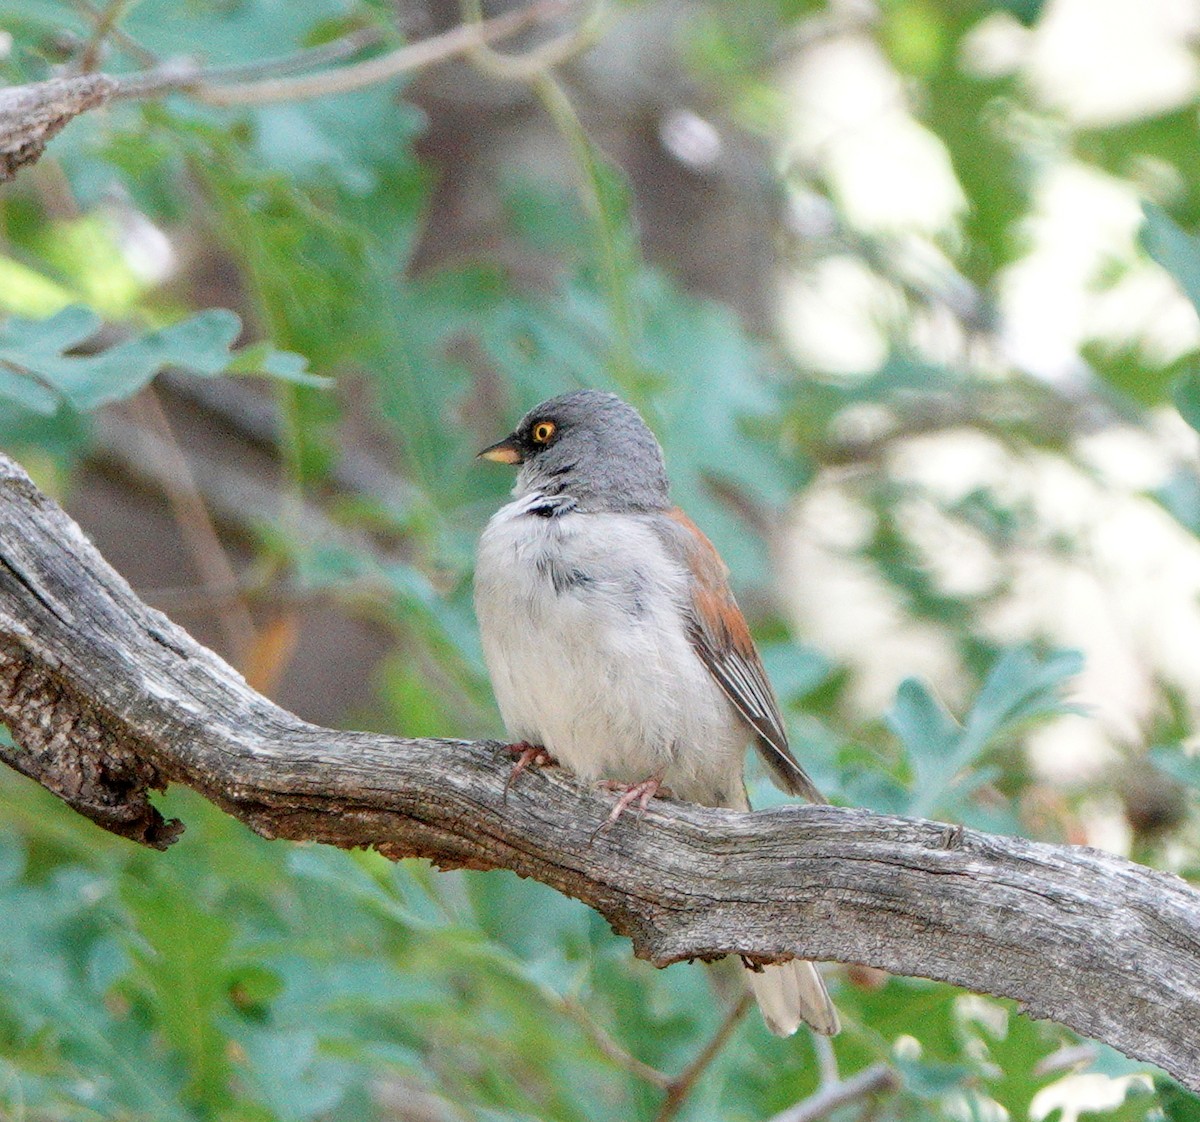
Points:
(791, 993)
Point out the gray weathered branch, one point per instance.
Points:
(109, 701)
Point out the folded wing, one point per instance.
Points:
(721, 638)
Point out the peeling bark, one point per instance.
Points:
(108, 701)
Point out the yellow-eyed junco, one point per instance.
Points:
(614, 643)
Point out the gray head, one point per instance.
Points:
(590, 446)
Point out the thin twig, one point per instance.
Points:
(871, 1081)
(128, 44)
(198, 83)
(1067, 1057)
(197, 528)
(592, 178)
(681, 1086)
(536, 68)
(826, 1061)
(405, 1100)
(540, 60)
(610, 1048)
(238, 500)
(185, 76)
(105, 21)
(336, 50)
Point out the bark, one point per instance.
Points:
(109, 701)
(31, 115)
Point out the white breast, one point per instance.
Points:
(580, 616)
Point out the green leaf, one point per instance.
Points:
(287, 1073)
(1140, 1104)
(54, 1023)
(1027, 11)
(1180, 496)
(285, 366)
(1177, 1103)
(182, 952)
(1129, 368)
(1016, 1052)
(49, 337)
(1174, 249)
(61, 433)
(960, 107)
(1178, 764)
(1021, 687)
(37, 374)
(1186, 395)
(12, 857)
(928, 731)
(795, 670)
(929, 1080)
(944, 755)
(19, 385)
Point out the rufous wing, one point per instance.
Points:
(722, 639)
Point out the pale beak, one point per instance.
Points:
(503, 451)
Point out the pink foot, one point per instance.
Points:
(527, 754)
(640, 793)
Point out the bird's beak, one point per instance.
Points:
(503, 451)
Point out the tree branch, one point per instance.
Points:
(210, 87)
(681, 1086)
(108, 701)
(106, 19)
(31, 114)
(870, 1081)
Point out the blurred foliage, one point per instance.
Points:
(39, 377)
(242, 980)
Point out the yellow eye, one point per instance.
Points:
(542, 432)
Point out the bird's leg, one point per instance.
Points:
(527, 754)
(640, 793)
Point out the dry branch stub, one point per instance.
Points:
(108, 700)
(31, 115)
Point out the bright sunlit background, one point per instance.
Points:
(1128, 595)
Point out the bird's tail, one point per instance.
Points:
(791, 992)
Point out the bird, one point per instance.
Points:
(614, 645)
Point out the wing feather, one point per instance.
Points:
(722, 640)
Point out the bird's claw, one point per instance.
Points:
(527, 755)
(640, 793)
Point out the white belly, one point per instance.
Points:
(584, 640)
